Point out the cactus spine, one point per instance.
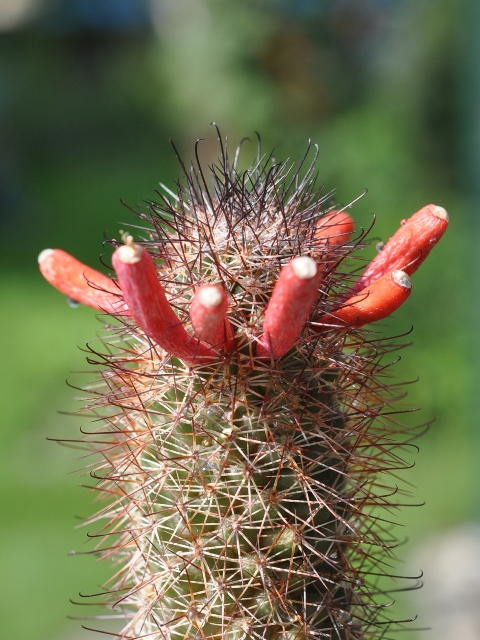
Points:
(244, 468)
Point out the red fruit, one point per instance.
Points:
(373, 303)
(149, 306)
(334, 229)
(208, 311)
(409, 246)
(80, 282)
(289, 307)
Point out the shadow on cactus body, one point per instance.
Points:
(244, 490)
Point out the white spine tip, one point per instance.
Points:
(210, 297)
(130, 253)
(304, 267)
(440, 212)
(43, 255)
(401, 278)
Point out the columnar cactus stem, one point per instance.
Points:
(246, 439)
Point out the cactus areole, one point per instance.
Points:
(249, 443)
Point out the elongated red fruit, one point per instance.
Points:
(409, 246)
(208, 311)
(334, 229)
(145, 296)
(292, 299)
(80, 282)
(375, 302)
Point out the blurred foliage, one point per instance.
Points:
(90, 93)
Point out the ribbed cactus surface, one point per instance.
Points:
(249, 442)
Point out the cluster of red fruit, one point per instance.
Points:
(382, 288)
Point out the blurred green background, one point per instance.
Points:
(90, 93)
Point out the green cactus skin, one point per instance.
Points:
(244, 498)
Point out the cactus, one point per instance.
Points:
(248, 429)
